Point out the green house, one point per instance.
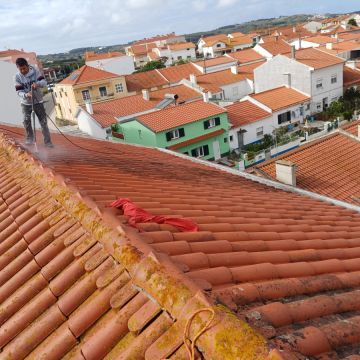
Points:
(198, 129)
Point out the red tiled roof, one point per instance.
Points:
(285, 263)
(12, 52)
(316, 59)
(175, 116)
(144, 80)
(246, 56)
(276, 47)
(181, 46)
(340, 47)
(91, 56)
(213, 39)
(106, 112)
(176, 73)
(87, 74)
(213, 81)
(138, 50)
(280, 98)
(351, 76)
(155, 38)
(240, 40)
(349, 36)
(197, 139)
(328, 166)
(248, 69)
(245, 112)
(215, 61)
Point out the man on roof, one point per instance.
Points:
(28, 84)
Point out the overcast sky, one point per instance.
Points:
(47, 26)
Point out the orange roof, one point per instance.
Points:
(181, 46)
(329, 166)
(246, 56)
(215, 61)
(175, 116)
(320, 39)
(144, 80)
(213, 81)
(340, 47)
(176, 73)
(11, 52)
(87, 74)
(106, 112)
(276, 47)
(78, 282)
(213, 39)
(292, 32)
(349, 36)
(153, 56)
(240, 40)
(245, 112)
(248, 69)
(155, 38)
(280, 98)
(316, 59)
(137, 50)
(91, 56)
(351, 76)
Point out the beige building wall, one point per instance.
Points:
(70, 97)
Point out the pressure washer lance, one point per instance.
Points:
(33, 118)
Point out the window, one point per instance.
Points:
(319, 83)
(211, 123)
(175, 134)
(103, 91)
(231, 138)
(318, 106)
(225, 140)
(218, 45)
(285, 117)
(179, 57)
(119, 88)
(85, 94)
(307, 107)
(200, 151)
(260, 131)
(334, 79)
(189, 57)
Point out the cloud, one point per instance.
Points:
(226, 3)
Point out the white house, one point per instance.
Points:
(115, 62)
(10, 109)
(207, 66)
(175, 52)
(272, 48)
(312, 42)
(311, 71)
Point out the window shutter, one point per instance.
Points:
(288, 115)
(206, 124)
(206, 150)
(181, 132)
(168, 136)
(217, 121)
(193, 153)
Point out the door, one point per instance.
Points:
(240, 135)
(216, 148)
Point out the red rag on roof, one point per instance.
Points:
(137, 215)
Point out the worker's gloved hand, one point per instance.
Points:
(34, 86)
(28, 95)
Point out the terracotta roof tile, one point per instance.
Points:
(276, 47)
(246, 56)
(287, 264)
(155, 38)
(145, 80)
(340, 47)
(87, 74)
(216, 61)
(280, 98)
(92, 56)
(213, 39)
(139, 50)
(351, 76)
(324, 166)
(245, 112)
(181, 46)
(320, 39)
(106, 112)
(316, 59)
(247, 70)
(179, 115)
(175, 74)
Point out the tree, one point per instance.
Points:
(151, 65)
(180, 62)
(352, 22)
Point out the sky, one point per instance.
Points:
(52, 26)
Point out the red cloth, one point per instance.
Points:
(137, 215)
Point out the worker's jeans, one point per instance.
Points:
(41, 115)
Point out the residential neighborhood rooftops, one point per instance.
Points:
(246, 56)
(328, 166)
(279, 269)
(87, 74)
(351, 77)
(176, 73)
(155, 38)
(245, 112)
(145, 80)
(316, 59)
(341, 47)
(350, 36)
(175, 116)
(276, 47)
(320, 39)
(181, 46)
(106, 112)
(213, 39)
(92, 56)
(280, 98)
(138, 50)
(215, 61)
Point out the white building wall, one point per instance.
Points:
(122, 65)
(313, 26)
(273, 74)
(237, 90)
(260, 50)
(303, 44)
(88, 125)
(10, 109)
(183, 54)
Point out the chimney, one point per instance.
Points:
(293, 52)
(206, 96)
(294, 29)
(234, 69)
(193, 79)
(146, 94)
(89, 107)
(286, 172)
(300, 42)
(329, 46)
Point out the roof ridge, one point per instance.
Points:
(153, 274)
